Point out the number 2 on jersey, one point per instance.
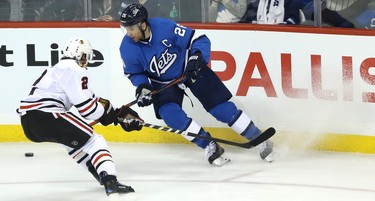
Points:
(84, 83)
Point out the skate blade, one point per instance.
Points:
(222, 160)
(271, 157)
(122, 197)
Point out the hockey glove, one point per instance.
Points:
(109, 115)
(143, 95)
(129, 119)
(194, 65)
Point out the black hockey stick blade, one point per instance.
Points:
(267, 134)
(246, 145)
(261, 138)
(181, 132)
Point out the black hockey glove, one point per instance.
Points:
(194, 65)
(129, 119)
(109, 115)
(143, 95)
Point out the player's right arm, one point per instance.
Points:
(132, 66)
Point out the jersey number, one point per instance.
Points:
(179, 30)
(85, 81)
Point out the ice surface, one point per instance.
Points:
(171, 172)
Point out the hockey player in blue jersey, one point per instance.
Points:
(157, 51)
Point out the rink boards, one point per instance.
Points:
(305, 141)
(315, 86)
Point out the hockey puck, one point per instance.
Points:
(29, 154)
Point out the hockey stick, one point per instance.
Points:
(261, 138)
(176, 81)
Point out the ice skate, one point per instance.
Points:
(215, 154)
(266, 152)
(114, 188)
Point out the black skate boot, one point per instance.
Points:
(215, 154)
(112, 186)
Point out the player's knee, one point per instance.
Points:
(95, 143)
(224, 112)
(174, 116)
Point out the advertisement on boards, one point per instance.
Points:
(292, 81)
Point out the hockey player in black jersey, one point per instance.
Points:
(45, 115)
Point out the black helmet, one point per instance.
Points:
(133, 14)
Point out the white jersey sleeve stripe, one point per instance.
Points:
(91, 103)
(90, 109)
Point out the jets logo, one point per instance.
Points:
(135, 11)
(163, 63)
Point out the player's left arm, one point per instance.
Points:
(201, 43)
(193, 40)
(198, 45)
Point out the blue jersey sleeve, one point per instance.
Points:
(192, 40)
(203, 44)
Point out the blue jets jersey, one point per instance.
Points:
(163, 57)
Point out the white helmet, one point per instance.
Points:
(76, 47)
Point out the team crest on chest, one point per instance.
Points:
(163, 63)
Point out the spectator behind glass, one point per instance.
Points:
(269, 12)
(273, 12)
(360, 13)
(4, 10)
(226, 11)
(105, 10)
(329, 17)
(110, 10)
(50, 10)
(365, 18)
(31, 8)
(101, 10)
